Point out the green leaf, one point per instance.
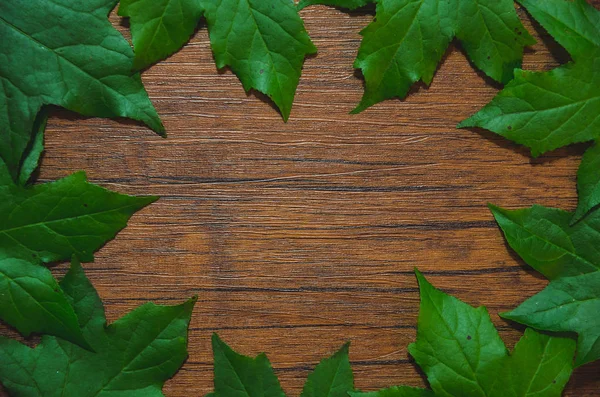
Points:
(574, 24)
(457, 346)
(134, 356)
(32, 301)
(67, 54)
(408, 38)
(237, 375)
(396, 391)
(541, 365)
(54, 221)
(588, 182)
(333, 377)
(462, 354)
(569, 304)
(548, 110)
(347, 4)
(47, 223)
(566, 254)
(545, 239)
(264, 42)
(159, 27)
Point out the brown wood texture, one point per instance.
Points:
(300, 236)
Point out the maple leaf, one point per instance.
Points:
(408, 38)
(568, 256)
(263, 41)
(32, 301)
(244, 376)
(548, 110)
(159, 28)
(53, 221)
(462, 354)
(332, 377)
(65, 53)
(133, 356)
(49, 223)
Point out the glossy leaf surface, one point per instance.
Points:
(568, 255)
(159, 28)
(63, 53)
(133, 356)
(462, 354)
(408, 38)
(264, 42)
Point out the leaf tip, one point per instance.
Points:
(75, 269)
(362, 106)
(468, 123)
(190, 303)
(412, 349)
(509, 315)
(423, 282)
(150, 199)
(216, 340)
(493, 207)
(345, 349)
(79, 175)
(496, 211)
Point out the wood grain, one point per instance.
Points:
(298, 237)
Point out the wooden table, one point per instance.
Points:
(298, 237)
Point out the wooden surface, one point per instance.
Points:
(298, 237)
